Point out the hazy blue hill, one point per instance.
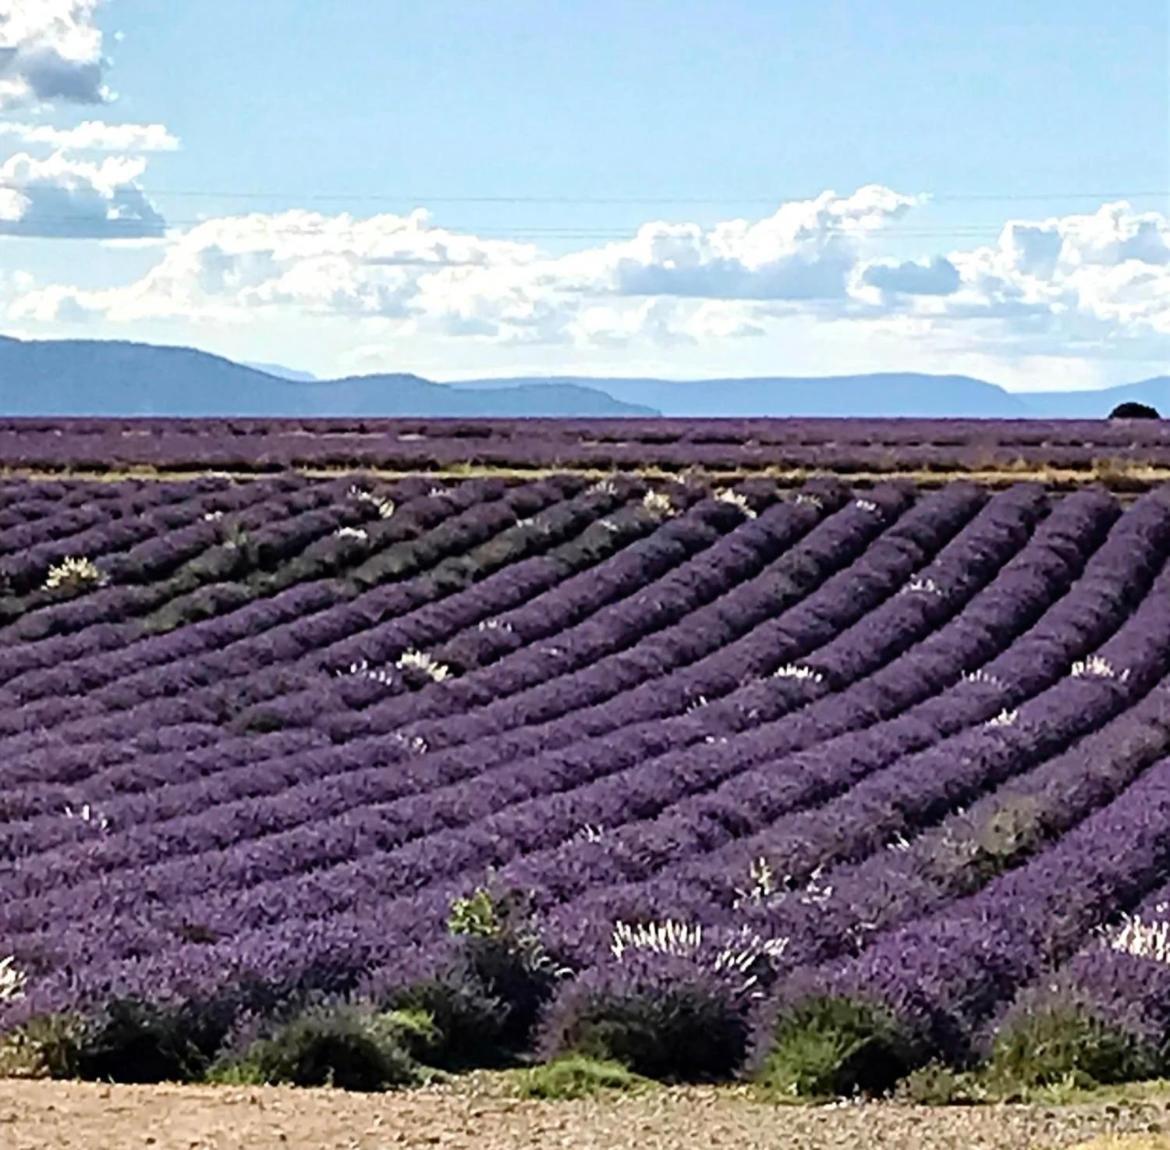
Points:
(282, 372)
(1098, 404)
(881, 394)
(99, 377)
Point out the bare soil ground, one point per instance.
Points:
(82, 1116)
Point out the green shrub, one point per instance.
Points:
(1062, 1044)
(128, 1041)
(575, 1076)
(346, 1047)
(44, 1047)
(415, 1031)
(468, 1021)
(667, 1020)
(502, 960)
(833, 1047)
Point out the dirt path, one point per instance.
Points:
(78, 1116)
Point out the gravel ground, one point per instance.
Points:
(81, 1116)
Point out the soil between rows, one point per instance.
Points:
(85, 1116)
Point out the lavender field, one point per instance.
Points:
(816, 784)
(932, 449)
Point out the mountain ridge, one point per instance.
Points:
(126, 378)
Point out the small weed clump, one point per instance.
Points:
(576, 1076)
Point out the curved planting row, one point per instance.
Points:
(821, 785)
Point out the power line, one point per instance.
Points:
(134, 227)
(643, 201)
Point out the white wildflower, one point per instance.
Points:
(385, 507)
(762, 881)
(898, 843)
(812, 500)
(437, 492)
(351, 533)
(921, 584)
(666, 937)
(73, 571)
(737, 500)
(423, 662)
(981, 676)
(813, 892)
(796, 671)
(1095, 667)
(745, 949)
(413, 743)
(1005, 718)
(212, 516)
(86, 814)
(12, 980)
(609, 524)
(696, 703)
(604, 487)
(1140, 938)
(866, 505)
(738, 954)
(658, 504)
(362, 668)
(494, 625)
(590, 833)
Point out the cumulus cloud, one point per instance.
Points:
(95, 136)
(50, 50)
(1102, 277)
(805, 251)
(913, 277)
(61, 197)
(1099, 281)
(382, 265)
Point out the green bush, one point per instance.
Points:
(1063, 1044)
(468, 1020)
(127, 1041)
(44, 1047)
(346, 1047)
(833, 1047)
(488, 1004)
(677, 1023)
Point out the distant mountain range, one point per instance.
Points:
(99, 377)
(96, 377)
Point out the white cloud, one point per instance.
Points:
(804, 251)
(62, 197)
(95, 136)
(50, 50)
(1095, 284)
(937, 276)
(1092, 280)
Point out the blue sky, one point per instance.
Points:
(681, 188)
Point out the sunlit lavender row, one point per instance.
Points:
(697, 778)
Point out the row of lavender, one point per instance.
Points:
(624, 702)
(797, 431)
(400, 445)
